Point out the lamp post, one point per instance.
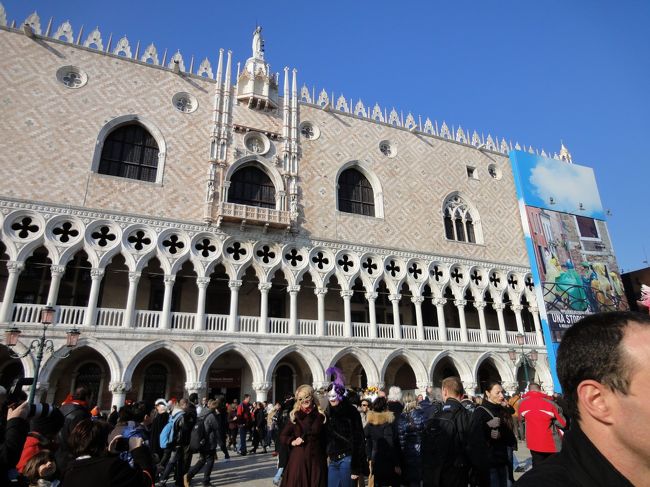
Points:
(526, 359)
(40, 345)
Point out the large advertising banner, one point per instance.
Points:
(573, 264)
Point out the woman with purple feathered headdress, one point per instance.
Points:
(345, 441)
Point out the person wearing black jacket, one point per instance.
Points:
(345, 441)
(602, 367)
(207, 451)
(445, 440)
(490, 437)
(94, 465)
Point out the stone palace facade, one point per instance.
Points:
(227, 231)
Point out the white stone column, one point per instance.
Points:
(165, 314)
(538, 328)
(264, 288)
(480, 306)
(346, 294)
(440, 312)
(202, 284)
(119, 390)
(417, 301)
(517, 310)
(129, 312)
(397, 326)
(261, 390)
(499, 307)
(14, 268)
(460, 306)
(422, 387)
(293, 309)
(233, 318)
(57, 272)
(96, 276)
(372, 297)
(320, 293)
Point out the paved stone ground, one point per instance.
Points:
(258, 470)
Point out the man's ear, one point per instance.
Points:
(595, 400)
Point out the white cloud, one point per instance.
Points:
(568, 184)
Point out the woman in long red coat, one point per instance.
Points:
(304, 434)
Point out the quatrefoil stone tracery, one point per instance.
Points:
(293, 257)
(173, 244)
(139, 240)
(236, 250)
(103, 236)
(24, 227)
(65, 232)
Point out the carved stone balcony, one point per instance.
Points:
(253, 215)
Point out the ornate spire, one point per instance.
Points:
(565, 155)
(256, 84)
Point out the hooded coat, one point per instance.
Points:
(382, 446)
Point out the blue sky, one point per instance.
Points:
(533, 72)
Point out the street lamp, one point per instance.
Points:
(526, 359)
(40, 345)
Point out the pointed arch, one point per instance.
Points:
(112, 359)
(315, 366)
(462, 221)
(374, 185)
(506, 370)
(249, 356)
(182, 355)
(136, 120)
(364, 359)
(413, 360)
(264, 165)
(461, 365)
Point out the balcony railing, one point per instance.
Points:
(143, 319)
(253, 214)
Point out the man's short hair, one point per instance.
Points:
(453, 385)
(590, 350)
(534, 386)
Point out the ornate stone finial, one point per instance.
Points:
(565, 155)
(258, 43)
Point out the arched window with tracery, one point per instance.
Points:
(355, 194)
(460, 220)
(130, 151)
(251, 186)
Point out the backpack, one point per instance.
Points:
(441, 440)
(167, 433)
(198, 437)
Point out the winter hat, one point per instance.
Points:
(49, 422)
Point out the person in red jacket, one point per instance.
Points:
(543, 420)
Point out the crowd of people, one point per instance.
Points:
(341, 437)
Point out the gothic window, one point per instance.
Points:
(355, 194)
(460, 223)
(251, 186)
(130, 151)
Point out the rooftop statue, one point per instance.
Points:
(258, 43)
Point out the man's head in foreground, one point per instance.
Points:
(602, 364)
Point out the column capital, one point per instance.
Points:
(480, 304)
(202, 282)
(119, 387)
(96, 274)
(347, 293)
(170, 278)
(470, 387)
(371, 296)
(417, 299)
(57, 269)
(498, 306)
(439, 301)
(394, 297)
(533, 309)
(460, 303)
(192, 387)
(293, 289)
(264, 287)
(320, 291)
(517, 308)
(320, 385)
(134, 276)
(235, 284)
(15, 266)
(262, 386)
(423, 384)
